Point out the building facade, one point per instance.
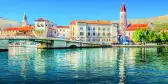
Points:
(93, 31)
(17, 31)
(42, 28)
(45, 28)
(63, 31)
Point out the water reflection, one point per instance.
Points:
(98, 65)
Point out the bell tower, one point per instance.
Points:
(24, 21)
(123, 19)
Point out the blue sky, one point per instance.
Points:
(63, 11)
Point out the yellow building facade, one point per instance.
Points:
(94, 31)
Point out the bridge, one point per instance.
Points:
(48, 42)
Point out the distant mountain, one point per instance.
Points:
(159, 22)
(8, 23)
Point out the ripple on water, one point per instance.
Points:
(98, 65)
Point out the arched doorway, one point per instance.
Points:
(73, 46)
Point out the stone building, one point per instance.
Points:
(93, 31)
(63, 31)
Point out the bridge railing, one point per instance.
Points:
(88, 42)
(79, 40)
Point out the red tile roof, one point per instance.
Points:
(73, 22)
(52, 28)
(41, 19)
(133, 27)
(123, 8)
(62, 27)
(91, 22)
(28, 28)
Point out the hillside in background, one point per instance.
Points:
(160, 22)
(8, 23)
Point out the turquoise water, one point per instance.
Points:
(84, 66)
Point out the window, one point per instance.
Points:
(108, 29)
(94, 34)
(93, 28)
(98, 34)
(89, 28)
(93, 40)
(42, 25)
(99, 29)
(82, 39)
(109, 34)
(104, 34)
(81, 28)
(98, 39)
(104, 29)
(88, 39)
(38, 25)
(81, 33)
(89, 34)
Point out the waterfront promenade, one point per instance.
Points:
(137, 45)
(58, 43)
(103, 46)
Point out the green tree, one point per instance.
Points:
(140, 35)
(156, 37)
(137, 35)
(151, 36)
(143, 36)
(162, 37)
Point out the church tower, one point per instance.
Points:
(123, 19)
(24, 21)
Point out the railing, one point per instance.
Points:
(87, 42)
(79, 40)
